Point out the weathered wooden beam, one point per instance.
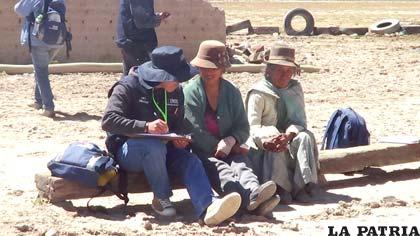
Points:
(266, 30)
(246, 24)
(331, 161)
(257, 68)
(334, 30)
(412, 29)
(57, 189)
(79, 67)
(357, 158)
(117, 68)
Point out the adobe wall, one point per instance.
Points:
(93, 25)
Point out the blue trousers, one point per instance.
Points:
(41, 57)
(158, 160)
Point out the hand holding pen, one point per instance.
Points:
(157, 127)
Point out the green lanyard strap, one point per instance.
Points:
(164, 114)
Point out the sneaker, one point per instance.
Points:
(48, 113)
(163, 207)
(268, 206)
(261, 194)
(35, 106)
(222, 209)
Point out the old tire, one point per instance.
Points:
(310, 22)
(387, 26)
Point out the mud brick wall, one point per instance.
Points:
(93, 25)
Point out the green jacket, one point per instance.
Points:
(231, 116)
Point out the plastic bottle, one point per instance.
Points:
(106, 177)
(37, 23)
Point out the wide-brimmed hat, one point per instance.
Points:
(167, 64)
(211, 54)
(282, 54)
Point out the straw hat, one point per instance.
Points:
(211, 54)
(282, 54)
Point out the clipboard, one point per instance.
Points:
(168, 136)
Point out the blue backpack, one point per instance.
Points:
(345, 129)
(88, 165)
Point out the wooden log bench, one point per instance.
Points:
(331, 161)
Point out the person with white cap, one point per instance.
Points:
(150, 100)
(282, 148)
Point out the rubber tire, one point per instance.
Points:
(310, 22)
(387, 26)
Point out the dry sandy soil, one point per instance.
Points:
(377, 76)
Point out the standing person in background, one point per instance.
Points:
(136, 35)
(41, 53)
(283, 149)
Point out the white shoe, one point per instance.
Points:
(268, 206)
(222, 209)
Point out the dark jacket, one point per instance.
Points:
(130, 106)
(136, 23)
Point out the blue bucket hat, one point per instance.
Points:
(167, 64)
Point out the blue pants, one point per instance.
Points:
(41, 57)
(157, 160)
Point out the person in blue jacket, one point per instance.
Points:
(136, 35)
(41, 54)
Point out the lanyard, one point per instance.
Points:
(164, 114)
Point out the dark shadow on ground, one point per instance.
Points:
(79, 116)
(373, 176)
(185, 212)
(322, 197)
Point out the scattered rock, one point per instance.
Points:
(51, 232)
(231, 228)
(17, 193)
(290, 226)
(148, 225)
(24, 228)
(118, 234)
(374, 205)
(391, 201)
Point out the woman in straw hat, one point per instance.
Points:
(216, 117)
(282, 149)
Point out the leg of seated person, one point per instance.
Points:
(302, 150)
(276, 165)
(246, 177)
(189, 167)
(148, 156)
(256, 193)
(221, 175)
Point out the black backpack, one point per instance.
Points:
(50, 25)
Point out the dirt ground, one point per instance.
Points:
(378, 76)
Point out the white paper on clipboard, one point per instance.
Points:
(168, 136)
